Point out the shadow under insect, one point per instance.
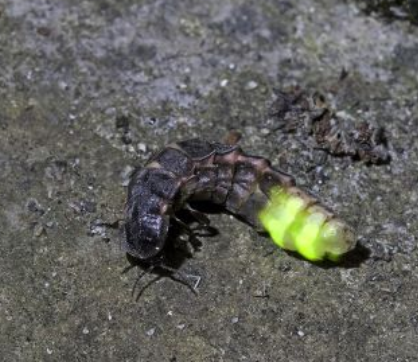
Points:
(350, 260)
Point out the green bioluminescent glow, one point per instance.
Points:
(294, 226)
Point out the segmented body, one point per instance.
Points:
(247, 186)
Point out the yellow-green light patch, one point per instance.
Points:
(307, 240)
(294, 226)
(279, 215)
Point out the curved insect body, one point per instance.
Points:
(247, 186)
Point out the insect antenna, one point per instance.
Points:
(173, 272)
(140, 276)
(152, 281)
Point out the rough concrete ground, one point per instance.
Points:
(89, 90)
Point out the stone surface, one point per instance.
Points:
(89, 91)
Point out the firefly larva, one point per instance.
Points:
(246, 186)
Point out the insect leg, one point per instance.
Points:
(186, 228)
(200, 217)
(194, 241)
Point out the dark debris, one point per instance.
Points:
(335, 132)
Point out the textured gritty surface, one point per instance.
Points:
(88, 91)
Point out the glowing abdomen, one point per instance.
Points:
(296, 222)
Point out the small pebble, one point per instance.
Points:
(38, 230)
(50, 224)
(251, 85)
(129, 149)
(63, 85)
(125, 175)
(97, 227)
(223, 83)
(150, 332)
(141, 147)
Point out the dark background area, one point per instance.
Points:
(89, 90)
